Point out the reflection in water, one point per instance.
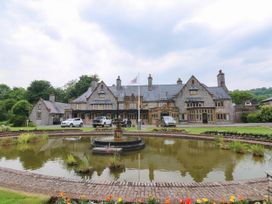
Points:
(162, 160)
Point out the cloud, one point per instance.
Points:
(60, 40)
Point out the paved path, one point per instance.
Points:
(130, 191)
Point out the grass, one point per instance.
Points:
(192, 130)
(30, 138)
(251, 129)
(11, 197)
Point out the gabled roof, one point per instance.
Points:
(56, 107)
(83, 97)
(219, 93)
(159, 92)
(267, 100)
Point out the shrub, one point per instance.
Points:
(71, 160)
(238, 147)
(5, 128)
(116, 164)
(18, 120)
(26, 138)
(243, 117)
(257, 150)
(253, 118)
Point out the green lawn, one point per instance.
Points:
(193, 130)
(11, 197)
(254, 130)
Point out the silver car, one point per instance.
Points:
(72, 122)
(168, 121)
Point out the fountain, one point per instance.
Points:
(117, 143)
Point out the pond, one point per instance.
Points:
(162, 160)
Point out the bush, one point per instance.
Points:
(257, 150)
(18, 121)
(243, 117)
(253, 118)
(266, 114)
(238, 147)
(71, 160)
(4, 128)
(26, 138)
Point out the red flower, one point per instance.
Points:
(181, 201)
(188, 201)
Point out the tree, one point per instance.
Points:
(18, 93)
(39, 89)
(76, 88)
(20, 112)
(4, 90)
(266, 114)
(239, 97)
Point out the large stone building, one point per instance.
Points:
(192, 102)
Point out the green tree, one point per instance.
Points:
(266, 114)
(76, 88)
(4, 90)
(239, 97)
(39, 89)
(18, 93)
(20, 112)
(3, 112)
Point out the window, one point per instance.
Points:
(39, 115)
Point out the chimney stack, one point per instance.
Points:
(221, 80)
(118, 83)
(150, 82)
(179, 81)
(52, 98)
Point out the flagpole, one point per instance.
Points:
(139, 101)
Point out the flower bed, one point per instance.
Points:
(62, 199)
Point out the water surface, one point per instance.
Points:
(163, 159)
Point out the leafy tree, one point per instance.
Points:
(76, 88)
(3, 112)
(239, 97)
(4, 90)
(60, 95)
(39, 89)
(266, 114)
(20, 112)
(18, 93)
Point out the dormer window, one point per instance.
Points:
(102, 87)
(193, 91)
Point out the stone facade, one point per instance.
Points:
(49, 112)
(192, 102)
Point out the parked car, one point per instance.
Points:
(102, 121)
(72, 122)
(168, 121)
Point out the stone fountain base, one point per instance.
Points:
(126, 143)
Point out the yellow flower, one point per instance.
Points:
(205, 200)
(233, 197)
(120, 200)
(198, 201)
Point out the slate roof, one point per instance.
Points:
(82, 98)
(268, 99)
(159, 92)
(218, 93)
(56, 107)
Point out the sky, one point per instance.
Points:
(60, 40)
